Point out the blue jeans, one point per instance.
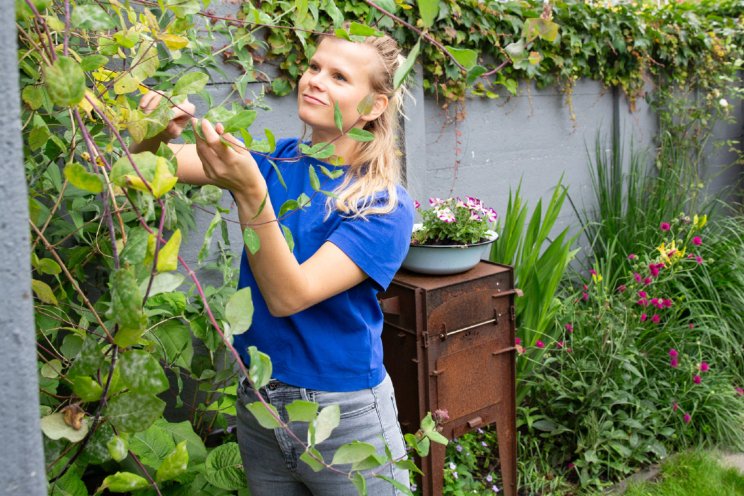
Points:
(271, 456)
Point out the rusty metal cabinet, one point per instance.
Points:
(449, 345)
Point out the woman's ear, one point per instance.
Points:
(379, 104)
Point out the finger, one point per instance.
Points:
(219, 128)
(149, 101)
(237, 145)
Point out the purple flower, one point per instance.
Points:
(494, 488)
(740, 391)
(453, 466)
(665, 226)
(489, 478)
(459, 450)
(697, 241)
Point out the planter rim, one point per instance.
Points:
(491, 235)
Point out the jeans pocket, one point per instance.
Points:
(352, 404)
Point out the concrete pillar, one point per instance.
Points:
(21, 454)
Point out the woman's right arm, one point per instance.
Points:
(190, 169)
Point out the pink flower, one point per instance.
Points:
(647, 281)
(673, 362)
(675, 406)
(673, 352)
(592, 272)
(655, 302)
(687, 418)
(643, 302)
(517, 341)
(585, 296)
(697, 379)
(643, 317)
(621, 288)
(435, 201)
(699, 259)
(446, 215)
(570, 465)
(540, 344)
(704, 367)
(656, 318)
(637, 277)
(632, 256)
(569, 328)
(492, 215)
(642, 294)
(474, 216)
(665, 226)
(697, 241)
(559, 344)
(740, 391)
(654, 269)
(668, 303)
(416, 204)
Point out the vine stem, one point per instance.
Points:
(40, 20)
(70, 278)
(67, 27)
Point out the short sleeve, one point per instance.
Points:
(379, 243)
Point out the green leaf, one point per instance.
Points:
(251, 240)
(125, 84)
(123, 482)
(164, 179)
(65, 81)
(539, 28)
(331, 174)
(464, 56)
(86, 388)
(239, 311)
(152, 445)
(357, 29)
(174, 343)
(263, 414)
(134, 412)
(51, 369)
(327, 420)
(168, 255)
(372, 461)
(241, 120)
(360, 134)
(302, 411)
(400, 487)
(48, 266)
(92, 17)
(118, 448)
(360, 483)
(319, 150)
(405, 68)
(43, 292)
(135, 250)
(337, 117)
(474, 73)
(260, 367)
(209, 194)
(69, 484)
(38, 137)
(288, 206)
(126, 307)
(163, 283)
(146, 62)
(428, 10)
(183, 431)
(288, 237)
(342, 33)
(408, 465)
(79, 177)
(141, 372)
(33, 96)
(54, 427)
(93, 62)
(174, 464)
(388, 5)
(437, 437)
(224, 468)
(329, 6)
(352, 452)
(314, 181)
(192, 82)
(312, 458)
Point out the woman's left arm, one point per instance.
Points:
(286, 285)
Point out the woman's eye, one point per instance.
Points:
(340, 77)
(313, 67)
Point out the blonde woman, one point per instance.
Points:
(316, 313)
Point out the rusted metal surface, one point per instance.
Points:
(449, 345)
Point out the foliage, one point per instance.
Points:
(692, 473)
(453, 221)
(529, 248)
(118, 327)
(692, 44)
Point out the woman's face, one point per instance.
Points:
(338, 72)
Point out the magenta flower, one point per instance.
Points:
(517, 341)
(687, 418)
(446, 215)
(569, 328)
(673, 362)
(570, 465)
(665, 226)
(704, 367)
(647, 281)
(492, 215)
(656, 318)
(655, 302)
(673, 353)
(474, 216)
(632, 256)
(637, 277)
(668, 303)
(643, 317)
(416, 204)
(675, 406)
(435, 201)
(699, 259)
(740, 391)
(592, 272)
(540, 344)
(585, 296)
(621, 288)
(642, 294)
(692, 326)
(654, 269)
(697, 241)
(559, 344)
(643, 302)
(697, 379)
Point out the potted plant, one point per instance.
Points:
(453, 236)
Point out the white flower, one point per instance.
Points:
(723, 102)
(446, 215)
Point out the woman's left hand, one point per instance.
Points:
(227, 163)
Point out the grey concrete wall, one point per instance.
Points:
(21, 455)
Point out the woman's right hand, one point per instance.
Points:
(182, 114)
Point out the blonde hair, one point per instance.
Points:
(376, 165)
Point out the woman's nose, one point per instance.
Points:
(317, 80)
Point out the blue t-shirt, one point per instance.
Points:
(334, 345)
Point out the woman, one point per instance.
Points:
(315, 308)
